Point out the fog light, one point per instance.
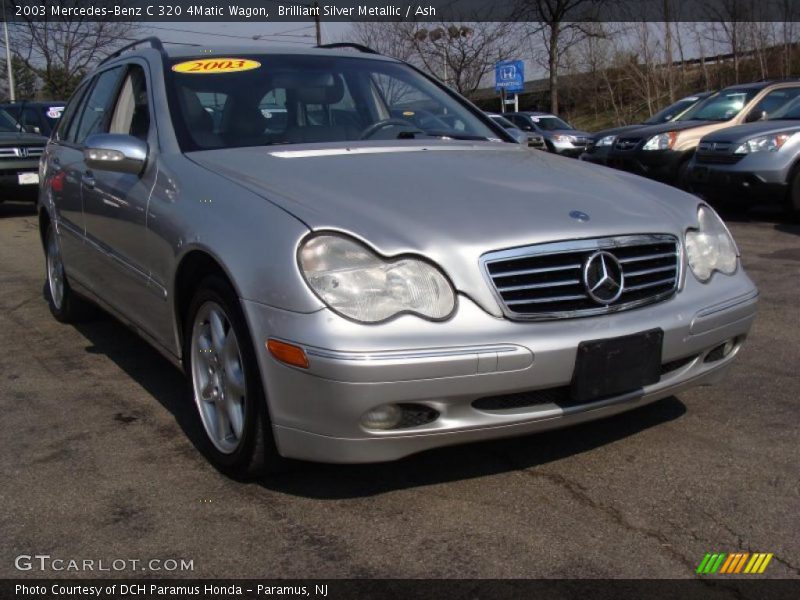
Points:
(728, 347)
(386, 416)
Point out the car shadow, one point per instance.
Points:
(10, 209)
(166, 385)
(773, 215)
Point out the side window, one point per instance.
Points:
(521, 122)
(775, 100)
(68, 116)
(30, 120)
(131, 114)
(95, 110)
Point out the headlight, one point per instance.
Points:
(565, 138)
(356, 282)
(710, 247)
(662, 141)
(605, 141)
(764, 143)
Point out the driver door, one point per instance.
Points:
(115, 209)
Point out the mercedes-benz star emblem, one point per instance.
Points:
(603, 277)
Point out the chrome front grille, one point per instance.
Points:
(22, 152)
(717, 153)
(548, 281)
(626, 143)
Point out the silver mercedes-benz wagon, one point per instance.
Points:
(352, 263)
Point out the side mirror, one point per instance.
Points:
(519, 136)
(754, 116)
(115, 152)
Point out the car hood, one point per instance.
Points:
(451, 201)
(646, 131)
(741, 133)
(615, 130)
(27, 139)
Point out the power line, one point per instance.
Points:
(230, 35)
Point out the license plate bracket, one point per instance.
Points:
(614, 366)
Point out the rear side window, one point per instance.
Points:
(94, 115)
(132, 112)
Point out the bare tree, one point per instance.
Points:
(730, 20)
(561, 24)
(461, 54)
(60, 50)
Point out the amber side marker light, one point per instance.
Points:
(288, 353)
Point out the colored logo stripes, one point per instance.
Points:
(737, 562)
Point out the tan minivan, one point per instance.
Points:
(663, 151)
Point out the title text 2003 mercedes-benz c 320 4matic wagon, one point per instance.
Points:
(342, 282)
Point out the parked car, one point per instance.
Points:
(19, 160)
(36, 117)
(752, 164)
(600, 145)
(347, 293)
(663, 152)
(532, 139)
(560, 137)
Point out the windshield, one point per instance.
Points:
(789, 112)
(672, 111)
(722, 106)
(503, 122)
(265, 100)
(550, 123)
(7, 123)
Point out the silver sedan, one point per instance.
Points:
(352, 263)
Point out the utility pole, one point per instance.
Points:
(317, 23)
(9, 68)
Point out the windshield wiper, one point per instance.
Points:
(454, 135)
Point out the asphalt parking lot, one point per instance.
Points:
(99, 461)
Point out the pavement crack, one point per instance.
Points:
(579, 493)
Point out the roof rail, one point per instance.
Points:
(359, 47)
(153, 41)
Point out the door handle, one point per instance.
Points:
(88, 179)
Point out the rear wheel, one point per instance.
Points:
(65, 305)
(226, 385)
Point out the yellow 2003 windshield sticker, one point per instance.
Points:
(205, 66)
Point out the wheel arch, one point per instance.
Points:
(194, 266)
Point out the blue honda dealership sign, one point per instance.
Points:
(509, 75)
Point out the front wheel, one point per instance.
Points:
(226, 385)
(792, 201)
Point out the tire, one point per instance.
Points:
(682, 177)
(65, 305)
(792, 200)
(225, 384)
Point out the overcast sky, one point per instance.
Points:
(288, 34)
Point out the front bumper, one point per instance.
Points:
(448, 366)
(740, 181)
(661, 165)
(597, 156)
(9, 175)
(568, 149)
